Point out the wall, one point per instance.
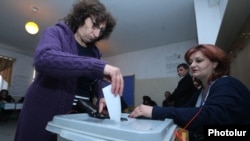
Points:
(22, 72)
(205, 12)
(240, 66)
(154, 69)
(155, 88)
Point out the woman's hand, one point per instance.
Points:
(102, 105)
(142, 110)
(114, 75)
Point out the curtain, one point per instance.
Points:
(6, 65)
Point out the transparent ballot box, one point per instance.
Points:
(82, 127)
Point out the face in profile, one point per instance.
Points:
(182, 71)
(167, 94)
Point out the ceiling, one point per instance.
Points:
(141, 24)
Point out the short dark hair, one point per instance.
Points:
(184, 65)
(147, 98)
(167, 92)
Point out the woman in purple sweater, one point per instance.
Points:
(68, 63)
(222, 100)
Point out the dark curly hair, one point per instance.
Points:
(83, 9)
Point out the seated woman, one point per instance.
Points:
(222, 99)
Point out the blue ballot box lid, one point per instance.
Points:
(78, 127)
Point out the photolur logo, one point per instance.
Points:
(228, 133)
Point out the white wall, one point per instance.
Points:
(209, 14)
(154, 68)
(22, 72)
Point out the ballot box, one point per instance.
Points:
(82, 127)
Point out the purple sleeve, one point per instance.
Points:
(56, 56)
(98, 88)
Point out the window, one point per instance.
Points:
(6, 66)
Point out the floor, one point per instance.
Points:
(8, 125)
(7, 130)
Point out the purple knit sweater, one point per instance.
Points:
(58, 67)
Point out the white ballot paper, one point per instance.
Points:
(113, 104)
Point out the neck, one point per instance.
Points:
(205, 86)
(204, 83)
(79, 41)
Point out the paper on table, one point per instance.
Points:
(113, 104)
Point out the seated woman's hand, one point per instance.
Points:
(142, 110)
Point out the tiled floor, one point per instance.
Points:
(7, 130)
